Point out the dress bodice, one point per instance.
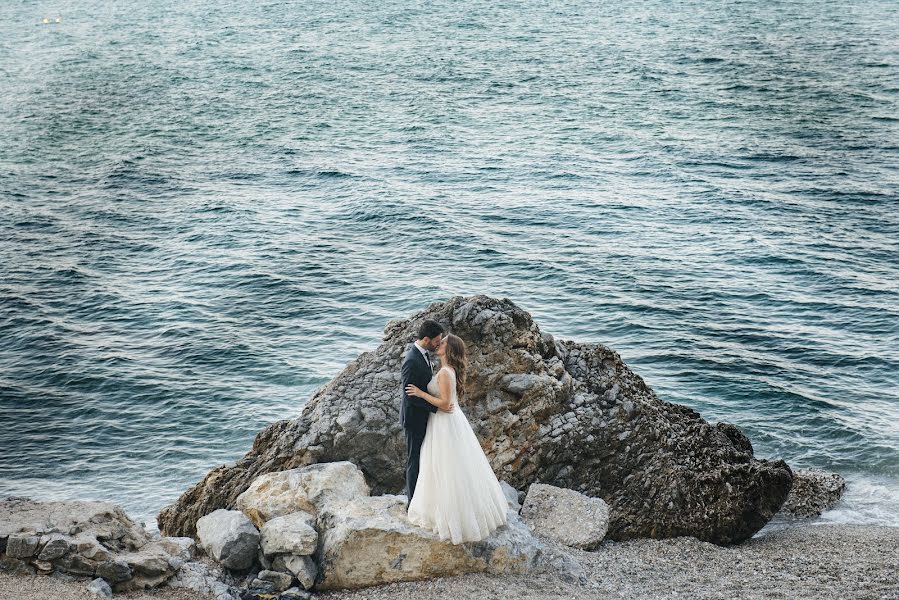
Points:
(434, 387)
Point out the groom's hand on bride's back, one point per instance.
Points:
(448, 409)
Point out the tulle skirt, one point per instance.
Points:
(457, 496)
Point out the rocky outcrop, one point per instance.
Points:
(566, 516)
(813, 492)
(552, 411)
(86, 539)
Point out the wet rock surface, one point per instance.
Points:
(551, 411)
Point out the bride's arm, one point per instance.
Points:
(444, 383)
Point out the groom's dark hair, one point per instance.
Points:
(430, 329)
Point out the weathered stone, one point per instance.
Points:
(302, 567)
(291, 534)
(369, 541)
(534, 405)
(813, 492)
(566, 516)
(54, 545)
(22, 545)
(104, 523)
(76, 564)
(304, 489)
(229, 537)
(280, 581)
(154, 563)
(15, 566)
(207, 578)
(114, 571)
(100, 588)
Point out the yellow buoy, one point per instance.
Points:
(46, 20)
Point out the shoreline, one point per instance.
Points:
(805, 560)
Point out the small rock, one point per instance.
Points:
(302, 567)
(280, 581)
(99, 587)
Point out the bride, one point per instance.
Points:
(457, 496)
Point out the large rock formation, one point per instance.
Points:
(558, 412)
(86, 539)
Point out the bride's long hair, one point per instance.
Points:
(455, 358)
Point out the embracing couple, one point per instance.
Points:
(450, 485)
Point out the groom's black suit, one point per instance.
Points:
(414, 412)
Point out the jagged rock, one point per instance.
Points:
(22, 545)
(302, 567)
(15, 566)
(154, 563)
(229, 537)
(304, 489)
(291, 534)
(99, 587)
(369, 541)
(54, 546)
(558, 412)
(280, 581)
(567, 516)
(100, 523)
(813, 492)
(114, 571)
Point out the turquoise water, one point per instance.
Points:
(209, 208)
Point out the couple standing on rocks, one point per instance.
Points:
(450, 485)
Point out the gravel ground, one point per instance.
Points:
(807, 561)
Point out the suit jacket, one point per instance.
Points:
(414, 411)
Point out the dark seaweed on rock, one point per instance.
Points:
(558, 412)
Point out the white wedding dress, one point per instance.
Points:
(457, 496)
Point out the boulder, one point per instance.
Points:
(566, 516)
(813, 492)
(303, 489)
(290, 534)
(229, 537)
(559, 412)
(369, 541)
(22, 545)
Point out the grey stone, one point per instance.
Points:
(229, 537)
(511, 495)
(15, 566)
(114, 571)
(54, 545)
(290, 534)
(302, 567)
(280, 581)
(813, 492)
(99, 587)
(566, 516)
(22, 545)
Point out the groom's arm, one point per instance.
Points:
(413, 374)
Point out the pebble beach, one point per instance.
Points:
(806, 561)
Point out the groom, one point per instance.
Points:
(414, 412)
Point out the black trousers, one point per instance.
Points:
(414, 440)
